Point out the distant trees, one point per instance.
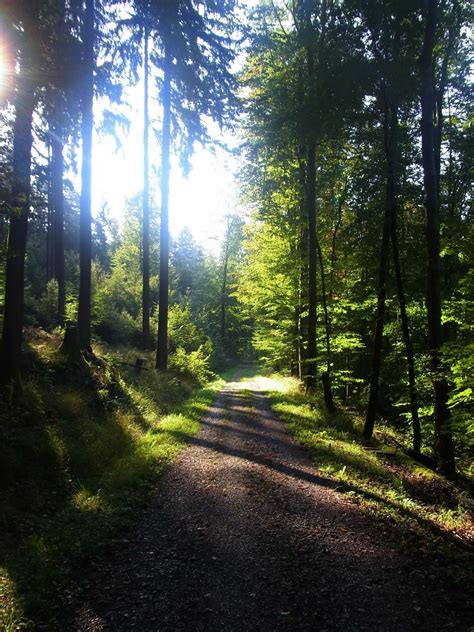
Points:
(230, 256)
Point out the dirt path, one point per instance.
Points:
(242, 534)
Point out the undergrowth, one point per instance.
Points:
(77, 460)
(382, 480)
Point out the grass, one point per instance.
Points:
(380, 479)
(76, 467)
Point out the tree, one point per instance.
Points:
(57, 134)
(146, 195)
(24, 103)
(163, 302)
(433, 280)
(85, 248)
(197, 83)
(231, 248)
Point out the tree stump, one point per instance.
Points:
(328, 399)
(70, 346)
(139, 365)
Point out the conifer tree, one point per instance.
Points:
(85, 231)
(27, 15)
(195, 40)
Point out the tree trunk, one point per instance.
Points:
(57, 194)
(407, 338)
(57, 204)
(379, 323)
(56, 143)
(326, 377)
(311, 136)
(337, 225)
(84, 312)
(439, 93)
(21, 186)
(382, 286)
(303, 259)
(162, 348)
(50, 211)
(146, 202)
(311, 365)
(224, 287)
(300, 329)
(433, 291)
(391, 153)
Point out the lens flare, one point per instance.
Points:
(3, 74)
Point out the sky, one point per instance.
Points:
(199, 201)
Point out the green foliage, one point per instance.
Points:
(193, 365)
(460, 359)
(268, 287)
(44, 309)
(117, 296)
(182, 331)
(372, 50)
(190, 348)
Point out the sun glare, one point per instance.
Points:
(198, 202)
(4, 82)
(2, 73)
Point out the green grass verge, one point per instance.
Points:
(77, 462)
(383, 481)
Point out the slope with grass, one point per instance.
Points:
(380, 478)
(78, 459)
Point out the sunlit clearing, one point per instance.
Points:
(264, 384)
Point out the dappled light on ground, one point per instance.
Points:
(245, 533)
(262, 384)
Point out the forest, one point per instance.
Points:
(344, 279)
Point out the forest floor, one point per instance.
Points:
(244, 532)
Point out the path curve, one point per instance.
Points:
(243, 534)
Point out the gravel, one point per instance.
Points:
(242, 533)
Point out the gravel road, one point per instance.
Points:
(243, 534)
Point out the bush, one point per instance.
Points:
(193, 364)
(43, 311)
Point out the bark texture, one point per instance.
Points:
(379, 322)
(407, 339)
(57, 162)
